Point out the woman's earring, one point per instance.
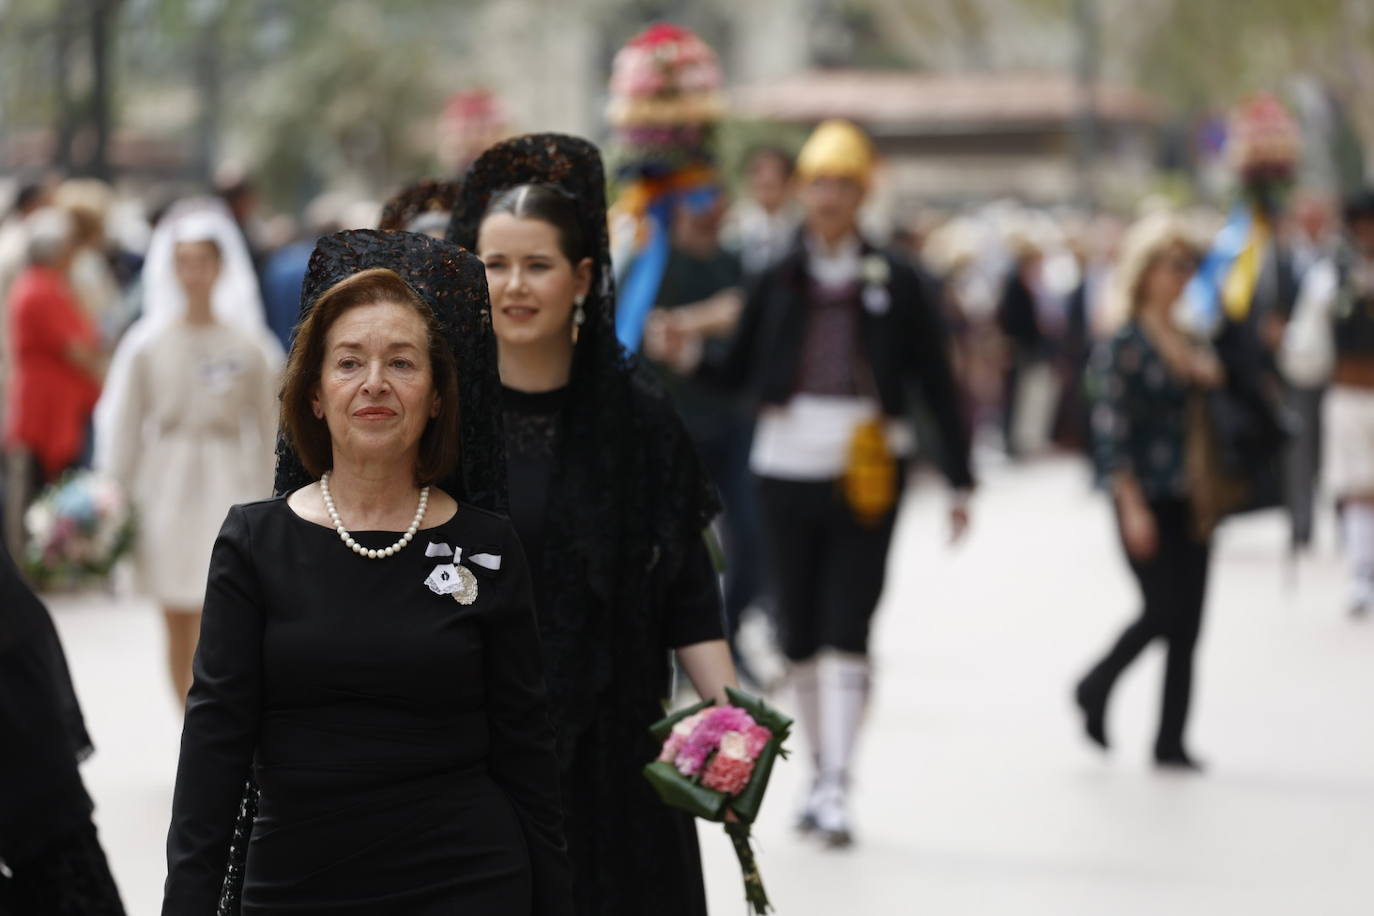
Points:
(579, 315)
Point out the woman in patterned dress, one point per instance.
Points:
(1146, 374)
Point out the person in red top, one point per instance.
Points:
(55, 358)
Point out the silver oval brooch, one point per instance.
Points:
(453, 579)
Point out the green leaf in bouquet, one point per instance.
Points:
(678, 791)
(746, 805)
(761, 712)
(661, 729)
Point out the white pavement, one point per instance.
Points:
(976, 793)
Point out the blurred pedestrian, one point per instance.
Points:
(763, 224)
(236, 189)
(30, 197)
(701, 295)
(285, 269)
(833, 339)
(52, 861)
(187, 423)
(1331, 340)
(87, 202)
(1146, 375)
(1031, 388)
(1241, 297)
(611, 502)
(1072, 354)
(56, 365)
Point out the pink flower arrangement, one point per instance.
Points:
(720, 744)
(730, 769)
(714, 763)
(665, 58)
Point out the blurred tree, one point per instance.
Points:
(56, 73)
(352, 97)
(1203, 57)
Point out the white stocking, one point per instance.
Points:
(844, 683)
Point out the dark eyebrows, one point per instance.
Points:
(532, 256)
(397, 345)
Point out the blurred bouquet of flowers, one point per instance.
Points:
(715, 763)
(77, 530)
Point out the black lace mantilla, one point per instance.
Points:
(628, 498)
(454, 284)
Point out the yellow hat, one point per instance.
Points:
(837, 149)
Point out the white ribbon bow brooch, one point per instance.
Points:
(451, 578)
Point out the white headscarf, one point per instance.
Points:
(235, 300)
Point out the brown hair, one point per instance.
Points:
(1141, 248)
(308, 434)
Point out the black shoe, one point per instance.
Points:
(1093, 703)
(1177, 762)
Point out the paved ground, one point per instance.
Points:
(976, 794)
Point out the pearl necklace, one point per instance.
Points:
(359, 549)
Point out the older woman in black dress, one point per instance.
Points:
(369, 646)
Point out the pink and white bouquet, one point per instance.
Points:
(715, 762)
(78, 529)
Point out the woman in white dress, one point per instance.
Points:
(187, 421)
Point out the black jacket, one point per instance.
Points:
(906, 345)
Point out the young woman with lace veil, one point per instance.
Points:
(610, 502)
(369, 651)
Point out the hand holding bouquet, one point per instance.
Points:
(715, 763)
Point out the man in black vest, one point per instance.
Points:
(837, 342)
(1331, 337)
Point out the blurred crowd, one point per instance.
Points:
(1025, 291)
(1203, 362)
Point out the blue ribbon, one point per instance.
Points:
(639, 291)
(1203, 293)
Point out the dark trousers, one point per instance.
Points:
(1302, 463)
(1173, 584)
(725, 453)
(827, 569)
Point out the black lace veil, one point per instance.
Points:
(628, 495)
(454, 284)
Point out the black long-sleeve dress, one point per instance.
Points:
(400, 739)
(608, 675)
